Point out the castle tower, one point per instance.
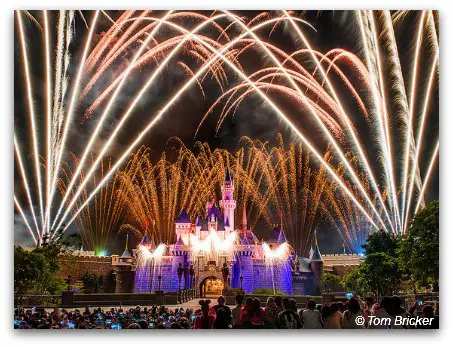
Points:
(228, 204)
(179, 252)
(143, 271)
(317, 265)
(183, 226)
(124, 278)
(245, 262)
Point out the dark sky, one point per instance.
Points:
(254, 118)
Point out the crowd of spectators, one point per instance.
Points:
(277, 313)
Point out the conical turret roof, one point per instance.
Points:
(126, 254)
(183, 217)
(228, 176)
(179, 241)
(316, 256)
(281, 237)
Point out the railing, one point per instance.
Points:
(70, 299)
(37, 300)
(186, 295)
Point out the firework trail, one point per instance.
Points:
(321, 83)
(97, 221)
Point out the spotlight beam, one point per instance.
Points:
(70, 113)
(315, 114)
(420, 135)
(31, 112)
(343, 113)
(427, 177)
(25, 183)
(409, 132)
(100, 123)
(16, 202)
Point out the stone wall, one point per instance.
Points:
(116, 278)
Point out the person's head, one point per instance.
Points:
(386, 303)
(326, 311)
(239, 299)
(134, 326)
(270, 301)
(248, 301)
(369, 302)
(175, 325)
(353, 305)
(395, 302)
(221, 300)
(278, 300)
(143, 324)
(311, 305)
(204, 304)
(256, 303)
(255, 307)
(292, 304)
(285, 303)
(428, 311)
(333, 307)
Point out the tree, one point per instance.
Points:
(36, 271)
(381, 241)
(72, 241)
(330, 282)
(354, 281)
(379, 273)
(418, 252)
(93, 282)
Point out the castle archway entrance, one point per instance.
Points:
(211, 286)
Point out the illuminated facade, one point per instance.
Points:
(211, 250)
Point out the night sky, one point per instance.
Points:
(253, 118)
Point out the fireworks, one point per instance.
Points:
(347, 98)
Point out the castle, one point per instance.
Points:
(212, 254)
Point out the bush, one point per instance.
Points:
(36, 271)
(267, 291)
(92, 282)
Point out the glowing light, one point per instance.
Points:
(213, 244)
(279, 254)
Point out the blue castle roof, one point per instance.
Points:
(245, 241)
(316, 256)
(183, 217)
(179, 242)
(228, 176)
(214, 211)
(281, 237)
(145, 240)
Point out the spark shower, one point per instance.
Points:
(366, 114)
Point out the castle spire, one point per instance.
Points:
(244, 220)
(126, 254)
(316, 256)
(228, 204)
(228, 177)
